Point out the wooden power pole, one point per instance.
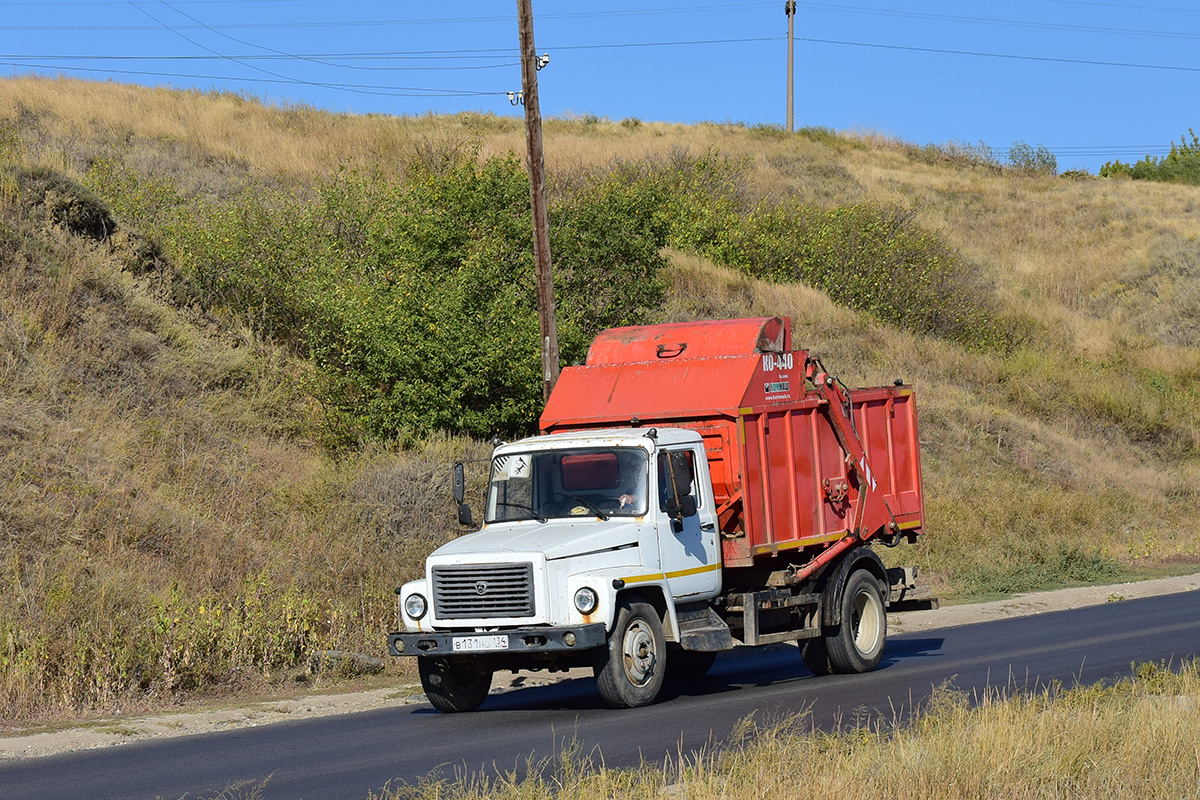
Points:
(537, 194)
(789, 8)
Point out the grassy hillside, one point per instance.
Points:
(240, 346)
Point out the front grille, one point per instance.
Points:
(480, 591)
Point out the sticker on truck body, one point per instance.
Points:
(777, 361)
(511, 467)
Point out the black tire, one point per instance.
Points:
(815, 655)
(629, 670)
(688, 665)
(454, 684)
(856, 645)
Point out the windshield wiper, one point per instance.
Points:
(533, 511)
(588, 504)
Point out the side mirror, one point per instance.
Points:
(687, 506)
(683, 507)
(460, 486)
(464, 515)
(679, 510)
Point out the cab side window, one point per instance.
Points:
(676, 477)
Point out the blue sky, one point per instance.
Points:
(1090, 80)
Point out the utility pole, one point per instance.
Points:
(789, 8)
(537, 195)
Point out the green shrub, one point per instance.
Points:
(1026, 566)
(1032, 159)
(139, 200)
(871, 258)
(252, 258)
(415, 296)
(1181, 165)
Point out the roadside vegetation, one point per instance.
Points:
(1135, 738)
(241, 345)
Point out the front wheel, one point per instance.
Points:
(857, 644)
(454, 684)
(629, 671)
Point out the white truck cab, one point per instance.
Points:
(571, 522)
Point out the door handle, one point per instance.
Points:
(707, 526)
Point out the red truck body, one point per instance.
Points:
(801, 465)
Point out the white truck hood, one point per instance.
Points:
(556, 538)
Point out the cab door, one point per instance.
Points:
(688, 548)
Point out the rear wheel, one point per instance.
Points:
(454, 684)
(630, 669)
(857, 644)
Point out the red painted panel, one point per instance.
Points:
(687, 340)
(780, 473)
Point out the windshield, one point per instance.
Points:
(594, 482)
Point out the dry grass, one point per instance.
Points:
(164, 523)
(1134, 739)
(1069, 252)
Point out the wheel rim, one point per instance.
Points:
(638, 653)
(868, 612)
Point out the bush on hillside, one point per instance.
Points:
(1028, 158)
(872, 258)
(415, 296)
(1181, 165)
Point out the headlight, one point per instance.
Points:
(586, 600)
(415, 606)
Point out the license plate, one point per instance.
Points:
(474, 644)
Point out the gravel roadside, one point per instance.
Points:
(121, 730)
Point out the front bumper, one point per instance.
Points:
(529, 640)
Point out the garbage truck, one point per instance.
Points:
(695, 487)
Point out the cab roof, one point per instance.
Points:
(603, 437)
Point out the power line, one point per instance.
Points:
(1099, 150)
(387, 91)
(195, 43)
(1123, 5)
(1011, 56)
(483, 52)
(319, 58)
(643, 12)
(126, 2)
(1016, 23)
(260, 57)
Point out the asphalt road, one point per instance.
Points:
(348, 756)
